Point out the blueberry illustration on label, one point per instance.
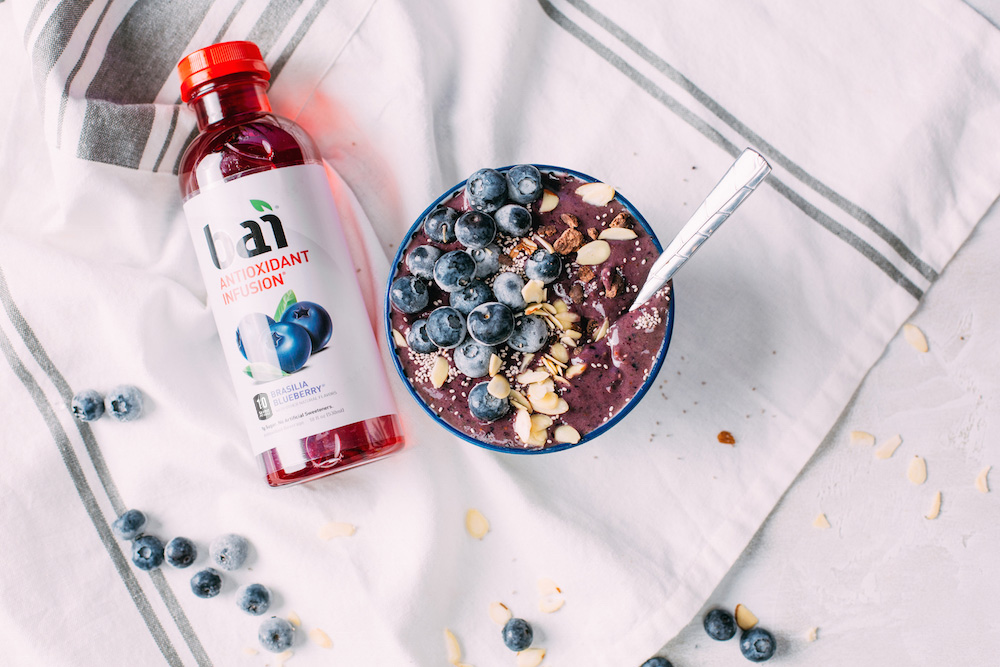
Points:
(292, 344)
(314, 319)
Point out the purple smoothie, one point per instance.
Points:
(616, 358)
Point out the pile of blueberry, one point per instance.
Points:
(297, 330)
(756, 643)
(227, 552)
(124, 403)
(485, 305)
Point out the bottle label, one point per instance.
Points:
(282, 287)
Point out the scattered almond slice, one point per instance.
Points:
(917, 470)
(500, 613)
(744, 617)
(812, 635)
(549, 201)
(533, 291)
(531, 377)
(250, 650)
(559, 352)
(560, 306)
(593, 253)
(566, 433)
(862, 438)
(399, 339)
(440, 373)
(336, 529)
(935, 507)
(821, 521)
(518, 400)
(887, 448)
(476, 524)
(498, 386)
(452, 650)
(915, 337)
(574, 370)
(540, 422)
(522, 425)
(596, 194)
(284, 656)
(617, 234)
(982, 483)
(552, 407)
(551, 603)
(530, 657)
(602, 331)
(547, 587)
(538, 438)
(496, 363)
(294, 619)
(320, 638)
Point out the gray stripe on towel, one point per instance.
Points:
(272, 22)
(716, 137)
(54, 36)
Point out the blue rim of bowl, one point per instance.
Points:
(597, 432)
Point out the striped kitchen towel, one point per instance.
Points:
(878, 118)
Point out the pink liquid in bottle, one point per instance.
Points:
(226, 86)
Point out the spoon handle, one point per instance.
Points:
(742, 178)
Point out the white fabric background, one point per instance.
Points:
(777, 323)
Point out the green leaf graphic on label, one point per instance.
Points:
(260, 205)
(287, 300)
(264, 372)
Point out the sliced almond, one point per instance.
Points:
(399, 339)
(283, 657)
(530, 377)
(250, 650)
(563, 381)
(560, 407)
(596, 194)
(545, 403)
(320, 638)
(559, 352)
(567, 340)
(602, 330)
(294, 619)
(812, 635)
(887, 448)
(862, 438)
(915, 337)
(540, 422)
(566, 433)
(496, 363)
(935, 507)
(821, 521)
(530, 657)
(574, 334)
(617, 234)
(546, 586)
(498, 386)
(533, 308)
(518, 400)
(500, 613)
(522, 425)
(549, 201)
(526, 361)
(575, 370)
(553, 320)
(334, 529)
(551, 603)
(451, 648)
(440, 373)
(744, 617)
(538, 438)
(476, 524)
(549, 365)
(560, 306)
(533, 291)
(545, 244)
(917, 470)
(593, 253)
(982, 483)
(567, 319)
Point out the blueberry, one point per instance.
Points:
(475, 229)
(252, 328)
(439, 225)
(524, 183)
(446, 327)
(529, 335)
(207, 583)
(418, 340)
(477, 292)
(454, 270)
(487, 260)
(129, 525)
(314, 319)
(147, 552)
(229, 551)
(473, 359)
(757, 644)
(420, 260)
(87, 405)
(507, 288)
(657, 662)
(292, 344)
(181, 552)
(513, 220)
(254, 599)
(719, 625)
(409, 294)
(491, 323)
(486, 407)
(276, 634)
(124, 402)
(543, 265)
(517, 634)
(486, 190)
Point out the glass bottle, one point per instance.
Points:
(309, 380)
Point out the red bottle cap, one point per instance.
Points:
(219, 60)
